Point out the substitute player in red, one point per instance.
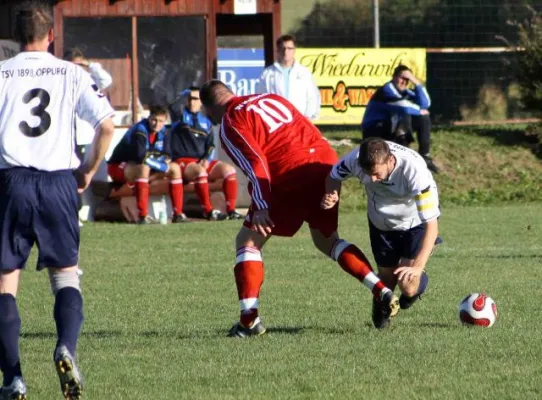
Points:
(286, 161)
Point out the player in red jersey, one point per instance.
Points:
(286, 161)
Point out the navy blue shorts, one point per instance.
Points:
(390, 246)
(38, 207)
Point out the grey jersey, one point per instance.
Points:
(407, 199)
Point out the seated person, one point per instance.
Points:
(192, 148)
(143, 155)
(394, 111)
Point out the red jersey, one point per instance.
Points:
(266, 137)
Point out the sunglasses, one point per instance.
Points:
(193, 98)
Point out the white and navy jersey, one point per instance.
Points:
(406, 199)
(40, 97)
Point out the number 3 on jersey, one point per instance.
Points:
(273, 113)
(38, 111)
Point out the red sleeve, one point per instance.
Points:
(240, 144)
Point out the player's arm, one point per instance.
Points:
(100, 76)
(313, 99)
(99, 148)
(344, 169)
(427, 204)
(93, 107)
(209, 152)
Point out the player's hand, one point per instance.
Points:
(424, 112)
(408, 274)
(83, 178)
(329, 200)
(261, 222)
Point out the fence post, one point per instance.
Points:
(376, 19)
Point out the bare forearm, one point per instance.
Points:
(428, 242)
(100, 145)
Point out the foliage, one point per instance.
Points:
(529, 60)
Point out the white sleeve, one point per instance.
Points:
(425, 192)
(313, 98)
(261, 88)
(347, 167)
(100, 76)
(92, 105)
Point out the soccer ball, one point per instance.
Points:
(478, 309)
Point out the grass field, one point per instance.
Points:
(159, 300)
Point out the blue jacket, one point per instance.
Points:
(387, 102)
(197, 121)
(135, 144)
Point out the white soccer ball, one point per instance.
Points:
(478, 309)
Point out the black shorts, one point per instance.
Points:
(390, 246)
(38, 207)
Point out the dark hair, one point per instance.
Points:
(286, 38)
(400, 68)
(194, 88)
(33, 20)
(157, 109)
(210, 90)
(373, 151)
(73, 53)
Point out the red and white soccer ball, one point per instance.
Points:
(478, 309)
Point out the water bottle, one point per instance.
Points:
(162, 217)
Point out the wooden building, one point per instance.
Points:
(156, 48)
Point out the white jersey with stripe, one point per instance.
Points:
(41, 96)
(409, 196)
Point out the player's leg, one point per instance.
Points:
(13, 385)
(409, 248)
(57, 234)
(226, 172)
(196, 173)
(140, 173)
(422, 125)
(176, 192)
(18, 202)
(249, 276)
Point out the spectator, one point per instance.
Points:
(84, 132)
(143, 155)
(291, 80)
(395, 111)
(100, 76)
(192, 147)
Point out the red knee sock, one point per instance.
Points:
(142, 196)
(202, 191)
(176, 193)
(352, 260)
(249, 274)
(229, 187)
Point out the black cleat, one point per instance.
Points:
(180, 218)
(146, 220)
(240, 331)
(384, 309)
(431, 165)
(214, 215)
(235, 215)
(15, 391)
(71, 383)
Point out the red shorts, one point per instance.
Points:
(297, 199)
(116, 171)
(186, 161)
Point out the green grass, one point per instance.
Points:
(159, 301)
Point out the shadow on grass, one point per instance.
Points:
(52, 335)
